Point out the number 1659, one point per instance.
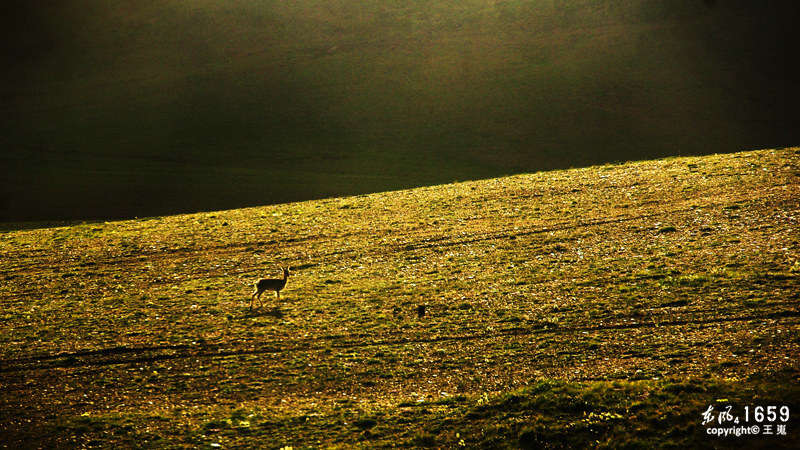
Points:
(768, 414)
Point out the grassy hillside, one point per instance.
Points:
(118, 109)
(605, 306)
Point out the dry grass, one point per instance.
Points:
(601, 306)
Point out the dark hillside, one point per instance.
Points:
(119, 109)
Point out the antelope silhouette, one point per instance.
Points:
(270, 284)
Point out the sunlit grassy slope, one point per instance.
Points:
(119, 109)
(604, 306)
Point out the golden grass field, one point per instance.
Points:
(606, 306)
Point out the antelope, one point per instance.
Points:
(270, 284)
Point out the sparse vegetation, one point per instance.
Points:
(615, 322)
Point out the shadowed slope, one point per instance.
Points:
(116, 109)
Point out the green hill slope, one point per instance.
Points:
(609, 306)
(113, 109)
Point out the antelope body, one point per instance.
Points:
(270, 284)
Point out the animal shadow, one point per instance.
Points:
(275, 312)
